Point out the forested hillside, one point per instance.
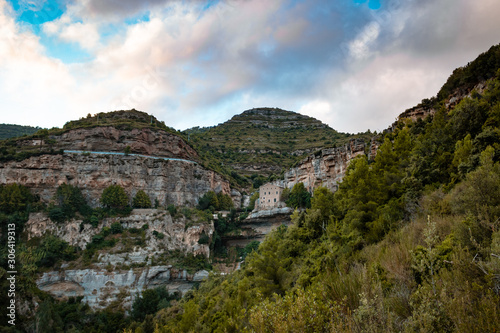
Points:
(11, 131)
(410, 242)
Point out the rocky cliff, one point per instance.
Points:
(108, 277)
(168, 181)
(144, 141)
(180, 234)
(100, 287)
(324, 168)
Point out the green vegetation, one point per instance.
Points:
(273, 138)
(68, 201)
(11, 131)
(151, 301)
(409, 243)
(141, 200)
(298, 197)
(114, 197)
(124, 119)
(15, 198)
(215, 202)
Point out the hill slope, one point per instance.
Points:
(11, 131)
(264, 141)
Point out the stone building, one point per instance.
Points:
(269, 196)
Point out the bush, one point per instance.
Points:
(69, 200)
(158, 235)
(116, 228)
(15, 198)
(114, 197)
(172, 210)
(141, 200)
(204, 239)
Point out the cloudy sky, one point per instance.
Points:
(354, 64)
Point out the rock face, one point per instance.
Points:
(108, 278)
(145, 141)
(258, 225)
(100, 287)
(168, 181)
(178, 236)
(326, 168)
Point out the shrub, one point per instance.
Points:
(141, 200)
(70, 200)
(172, 210)
(116, 228)
(14, 198)
(114, 196)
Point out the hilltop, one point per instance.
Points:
(265, 141)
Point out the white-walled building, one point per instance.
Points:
(269, 196)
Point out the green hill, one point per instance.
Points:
(264, 141)
(11, 131)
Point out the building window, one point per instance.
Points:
(269, 200)
(274, 199)
(276, 192)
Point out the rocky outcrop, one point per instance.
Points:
(145, 141)
(179, 234)
(325, 168)
(257, 225)
(460, 94)
(101, 287)
(168, 181)
(108, 277)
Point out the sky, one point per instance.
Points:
(353, 64)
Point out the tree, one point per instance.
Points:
(14, 198)
(299, 197)
(208, 200)
(141, 200)
(225, 202)
(114, 197)
(70, 200)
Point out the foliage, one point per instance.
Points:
(116, 228)
(54, 249)
(299, 197)
(69, 200)
(15, 198)
(114, 197)
(253, 198)
(141, 200)
(214, 202)
(151, 301)
(11, 131)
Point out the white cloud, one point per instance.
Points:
(85, 34)
(361, 47)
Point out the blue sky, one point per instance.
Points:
(354, 64)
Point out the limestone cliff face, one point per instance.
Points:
(168, 181)
(109, 277)
(100, 287)
(143, 141)
(178, 235)
(326, 168)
